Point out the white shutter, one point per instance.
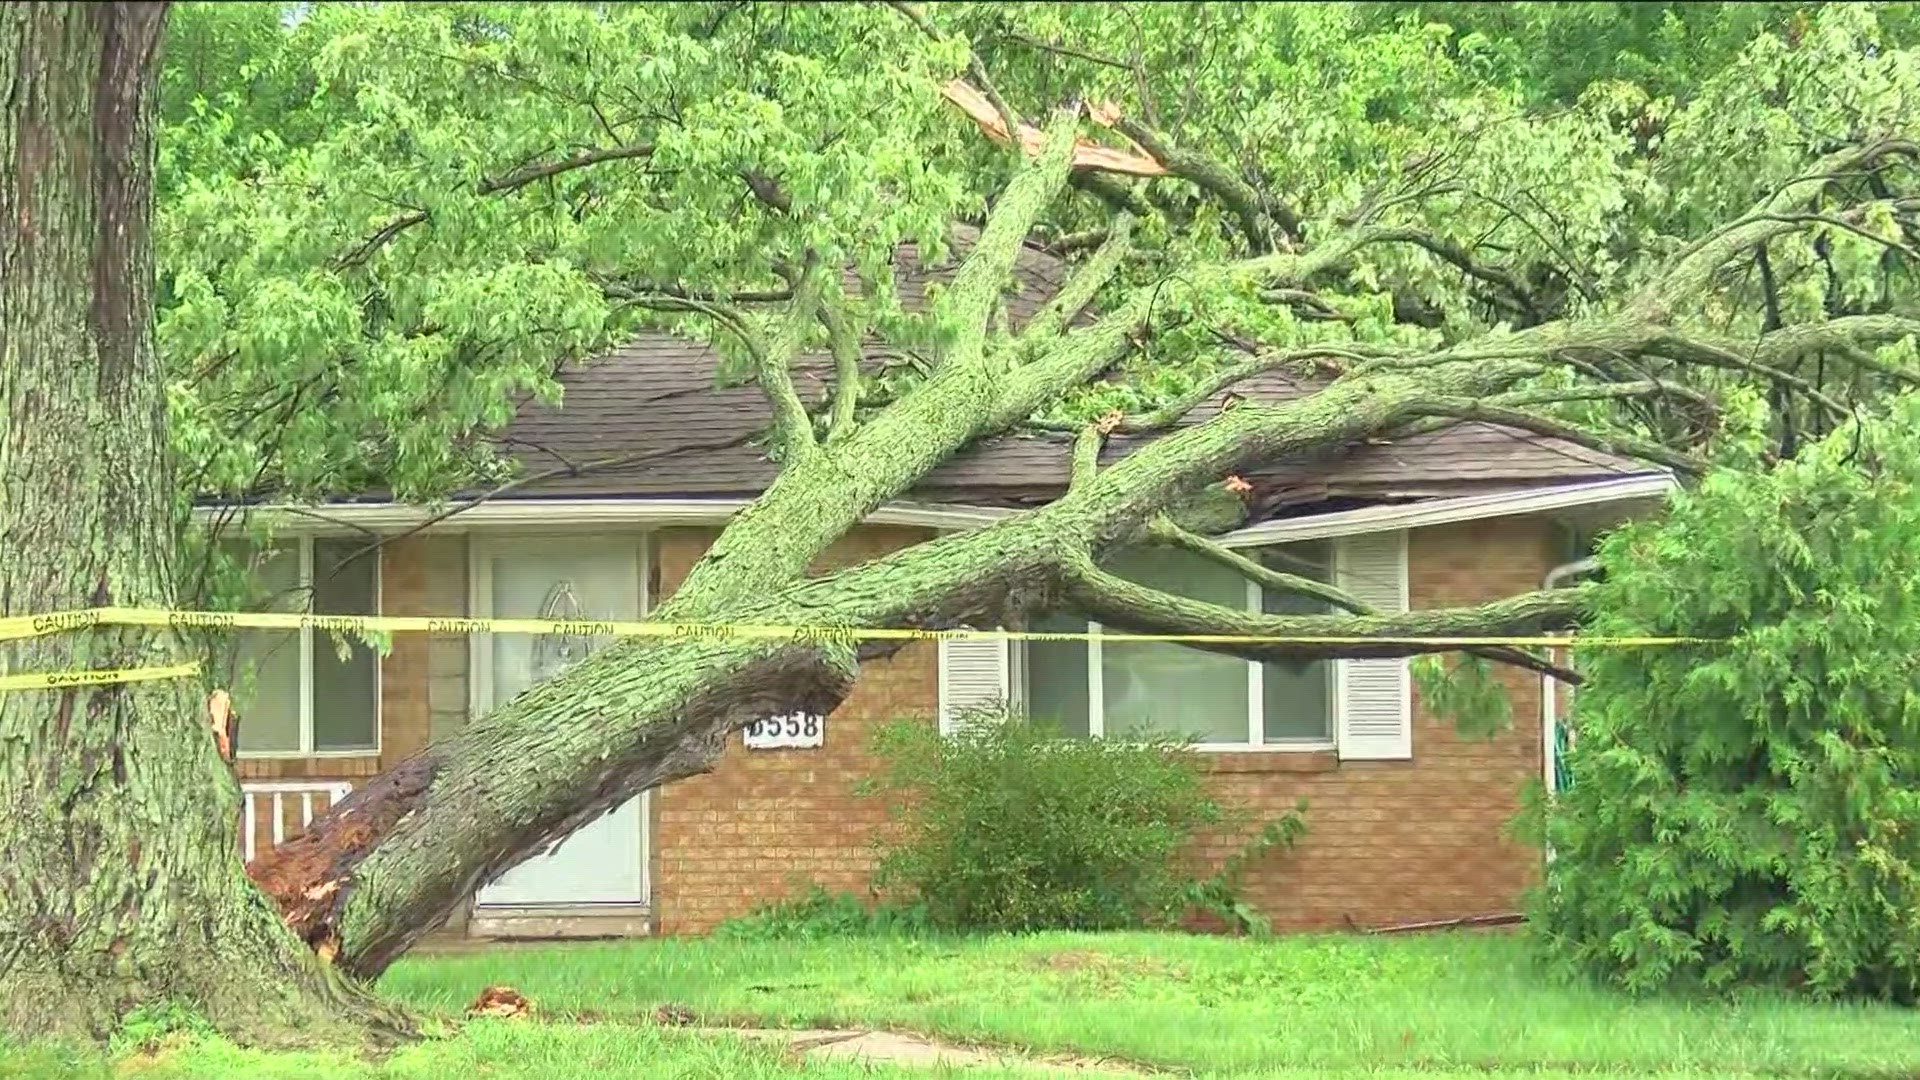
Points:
(973, 675)
(1375, 698)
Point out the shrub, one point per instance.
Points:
(1749, 812)
(1004, 825)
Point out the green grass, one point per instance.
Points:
(1446, 1006)
(485, 1050)
(1207, 1004)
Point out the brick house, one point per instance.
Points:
(1406, 819)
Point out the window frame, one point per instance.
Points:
(1256, 687)
(303, 545)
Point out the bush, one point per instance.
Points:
(1749, 812)
(1004, 825)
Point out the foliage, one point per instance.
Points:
(356, 288)
(1464, 689)
(1005, 825)
(816, 913)
(156, 1022)
(1554, 51)
(1749, 811)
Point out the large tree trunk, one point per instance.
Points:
(121, 881)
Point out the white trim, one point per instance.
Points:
(1255, 742)
(544, 514)
(1372, 519)
(353, 518)
(303, 581)
(1550, 686)
(480, 676)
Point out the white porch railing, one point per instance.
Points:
(275, 792)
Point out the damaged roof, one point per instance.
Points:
(646, 420)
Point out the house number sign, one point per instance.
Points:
(793, 729)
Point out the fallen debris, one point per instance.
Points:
(671, 1015)
(1503, 919)
(500, 1001)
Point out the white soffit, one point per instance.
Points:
(542, 514)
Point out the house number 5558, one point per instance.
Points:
(792, 729)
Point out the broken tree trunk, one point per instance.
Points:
(121, 883)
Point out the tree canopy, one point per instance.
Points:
(378, 224)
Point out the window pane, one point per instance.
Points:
(1174, 689)
(1297, 695)
(268, 663)
(345, 693)
(1056, 676)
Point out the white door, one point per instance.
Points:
(560, 577)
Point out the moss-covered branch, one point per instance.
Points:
(1117, 602)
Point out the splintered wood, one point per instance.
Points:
(1087, 154)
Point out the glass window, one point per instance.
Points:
(346, 704)
(1120, 687)
(303, 696)
(1296, 695)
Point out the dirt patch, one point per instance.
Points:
(1106, 967)
(901, 1048)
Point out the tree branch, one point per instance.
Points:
(1086, 454)
(1694, 268)
(1084, 285)
(512, 181)
(1460, 258)
(1210, 176)
(1116, 602)
(1163, 530)
(792, 426)
(844, 340)
(976, 70)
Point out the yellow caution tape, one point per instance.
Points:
(56, 680)
(26, 626)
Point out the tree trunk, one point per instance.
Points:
(121, 883)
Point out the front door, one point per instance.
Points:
(561, 577)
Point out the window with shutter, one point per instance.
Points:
(973, 675)
(1375, 696)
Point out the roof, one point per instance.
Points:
(652, 406)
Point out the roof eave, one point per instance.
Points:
(549, 514)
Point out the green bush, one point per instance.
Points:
(1749, 812)
(1004, 825)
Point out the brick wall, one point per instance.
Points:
(1405, 841)
(765, 821)
(1388, 841)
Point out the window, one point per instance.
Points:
(1113, 688)
(302, 697)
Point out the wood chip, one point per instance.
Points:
(500, 1001)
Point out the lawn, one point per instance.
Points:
(1429, 1007)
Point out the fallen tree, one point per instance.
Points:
(1213, 270)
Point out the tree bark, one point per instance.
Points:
(121, 883)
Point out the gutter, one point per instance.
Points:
(1549, 686)
(352, 518)
(1372, 519)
